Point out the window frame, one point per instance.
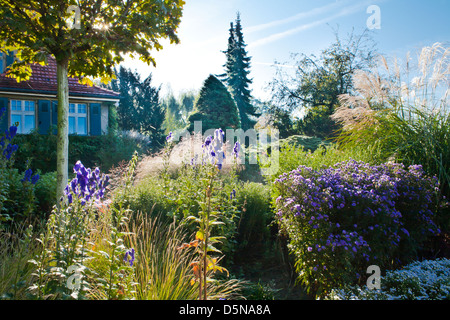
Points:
(77, 115)
(23, 113)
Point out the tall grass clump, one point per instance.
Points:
(15, 271)
(401, 112)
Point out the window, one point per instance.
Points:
(23, 112)
(77, 118)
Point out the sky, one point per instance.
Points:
(274, 30)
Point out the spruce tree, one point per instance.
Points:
(237, 70)
(215, 107)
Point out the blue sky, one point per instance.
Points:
(275, 29)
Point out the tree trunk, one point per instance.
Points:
(62, 146)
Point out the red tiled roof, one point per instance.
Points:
(43, 80)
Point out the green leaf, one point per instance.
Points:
(213, 249)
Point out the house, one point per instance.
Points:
(33, 103)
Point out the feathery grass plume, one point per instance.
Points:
(400, 112)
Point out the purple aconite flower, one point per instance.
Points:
(236, 149)
(131, 254)
(27, 175)
(87, 185)
(233, 194)
(34, 179)
(9, 150)
(169, 137)
(29, 178)
(11, 133)
(212, 148)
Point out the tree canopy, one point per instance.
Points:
(107, 30)
(317, 82)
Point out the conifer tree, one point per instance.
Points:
(214, 107)
(139, 108)
(236, 76)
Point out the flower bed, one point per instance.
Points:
(426, 280)
(341, 219)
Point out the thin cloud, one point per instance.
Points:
(277, 36)
(274, 64)
(299, 16)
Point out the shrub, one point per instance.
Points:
(341, 219)
(39, 151)
(253, 232)
(45, 191)
(292, 155)
(425, 280)
(17, 198)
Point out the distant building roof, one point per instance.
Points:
(43, 80)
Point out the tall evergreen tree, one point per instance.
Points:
(215, 107)
(237, 70)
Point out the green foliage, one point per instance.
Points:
(139, 106)
(215, 107)
(259, 291)
(20, 200)
(253, 237)
(45, 191)
(103, 151)
(293, 155)
(178, 110)
(308, 143)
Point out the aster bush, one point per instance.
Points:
(343, 218)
